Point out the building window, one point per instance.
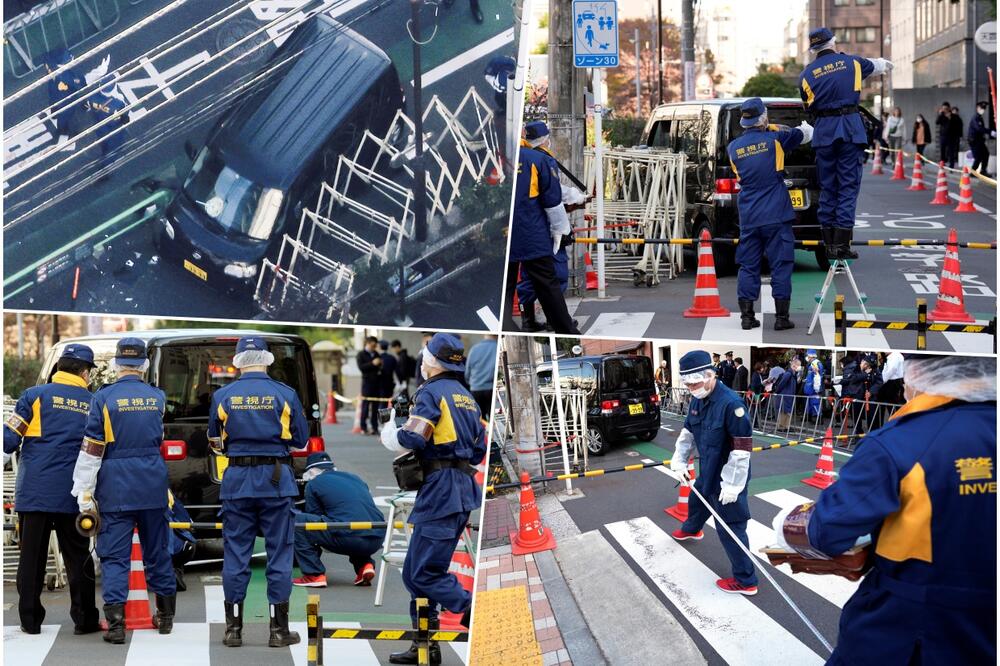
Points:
(864, 2)
(864, 35)
(842, 35)
(843, 3)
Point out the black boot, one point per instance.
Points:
(477, 13)
(843, 238)
(115, 614)
(830, 243)
(280, 635)
(781, 320)
(165, 607)
(410, 656)
(234, 625)
(747, 318)
(528, 321)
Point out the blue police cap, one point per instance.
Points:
(448, 349)
(321, 460)
(750, 111)
(819, 36)
(696, 361)
(811, 352)
(251, 342)
(131, 352)
(535, 130)
(79, 353)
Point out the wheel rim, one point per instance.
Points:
(595, 441)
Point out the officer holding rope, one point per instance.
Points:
(446, 434)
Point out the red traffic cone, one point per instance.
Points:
(941, 188)
(532, 536)
(824, 476)
(917, 177)
(680, 510)
(950, 304)
(137, 615)
(493, 177)
(591, 273)
(897, 172)
(706, 301)
(965, 193)
(877, 163)
(357, 429)
(464, 569)
(516, 302)
(331, 409)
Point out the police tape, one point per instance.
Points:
(841, 324)
(423, 635)
(939, 165)
(902, 242)
(308, 526)
(660, 463)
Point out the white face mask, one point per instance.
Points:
(980, 111)
(700, 392)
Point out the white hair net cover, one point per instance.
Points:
(431, 361)
(118, 368)
(251, 357)
(969, 378)
(540, 141)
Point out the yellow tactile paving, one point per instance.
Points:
(505, 631)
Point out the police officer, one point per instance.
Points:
(766, 214)
(538, 226)
(256, 420)
(813, 384)
(336, 497)
(446, 431)
(717, 425)
(924, 488)
(830, 86)
(103, 104)
(47, 425)
(121, 468)
(526, 298)
(63, 86)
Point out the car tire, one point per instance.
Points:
(724, 255)
(597, 443)
(648, 436)
(821, 259)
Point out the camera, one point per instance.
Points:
(401, 403)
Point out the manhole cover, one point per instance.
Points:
(249, 51)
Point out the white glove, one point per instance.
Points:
(807, 131)
(559, 224)
(734, 475)
(882, 65)
(85, 474)
(993, 134)
(98, 71)
(728, 497)
(6, 458)
(572, 196)
(682, 451)
(85, 502)
(388, 434)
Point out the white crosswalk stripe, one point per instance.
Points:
(186, 644)
(27, 650)
(739, 631)
(215, 604)
(626, 325)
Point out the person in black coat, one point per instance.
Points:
(405, 365)
(979, 131)
(387, 373)
(741, 378)
(370, 364)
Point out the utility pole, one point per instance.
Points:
(638, 85)
(523, 395)
(687, 48)
(419, 179)
(659, 51)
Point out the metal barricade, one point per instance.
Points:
(574, 405)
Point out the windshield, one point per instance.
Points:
(236, 204)
(791, 116)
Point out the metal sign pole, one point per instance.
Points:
(599, 174)
(560, 412)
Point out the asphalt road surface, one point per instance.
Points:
(47, 214)
(891, 277)
(200, 620)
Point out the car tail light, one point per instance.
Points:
(655, 398)
(227, 339)
(174, 449)
(315, 445)
(726, 186)
(608, 405)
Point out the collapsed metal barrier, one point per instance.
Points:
(316, 633)
(921, 325)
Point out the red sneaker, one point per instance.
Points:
(681, 535)
(364, 577)
(733, 586)
(309, 580)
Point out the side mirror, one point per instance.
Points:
(190, 150)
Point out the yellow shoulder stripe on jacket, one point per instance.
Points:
(810, 96)
(286, 422)
(533, 187)
(109, 434)
(906, 534)
(779, 156)
(444, 431)
(35, 424)
(857, 76)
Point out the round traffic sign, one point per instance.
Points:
(986, 37)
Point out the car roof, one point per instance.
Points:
(172, 335)
(732, 101)
(274, 132)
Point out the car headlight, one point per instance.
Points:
(240, 270)
(168, 228)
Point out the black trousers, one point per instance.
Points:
(980, 156)
(542, 273)
(484, 399)
(35, 528)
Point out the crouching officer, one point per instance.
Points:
(121, 469)
(256, 420)
(830, 86)
(717, 425)
(445, 431)
(924, 488)
(336, 497)
(47, 424)
(766, 213)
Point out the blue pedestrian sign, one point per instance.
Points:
(595, 33)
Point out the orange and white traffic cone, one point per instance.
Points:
(941, 188)
(532, 536)
(897, 172)
(824, 476)
(706, 301)
(917, 177)
(680, 510)
(515, 307)
(464, 569)
(137, 615)
(965, 193)
(331, 409)
(950, 304)
(357, 429)
(591, 273)
(877, 162)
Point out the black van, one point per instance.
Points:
(702, 129)
(189, 365)
(267, 158)
(624, 400)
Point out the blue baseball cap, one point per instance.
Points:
(696, 361)
(321, 459)
(819, 36)
(448, 350)
(131, 352)
(750, 111)
(535, 130)
(251, 343)
(79, 353)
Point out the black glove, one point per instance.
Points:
(566, 241)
